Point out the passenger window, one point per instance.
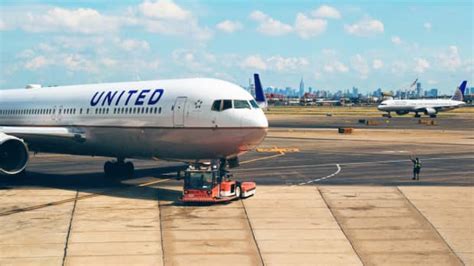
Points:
(227, 105)
(216, 106)
(241, 104)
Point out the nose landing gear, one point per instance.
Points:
(119, 168)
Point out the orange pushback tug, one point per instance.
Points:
(209, 184)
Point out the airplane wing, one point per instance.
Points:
(45, 132)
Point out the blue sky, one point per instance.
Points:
(333, 45)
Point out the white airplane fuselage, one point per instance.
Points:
(428, 106)
(165, 119)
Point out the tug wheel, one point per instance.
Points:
(238, 192)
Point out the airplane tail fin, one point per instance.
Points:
(459, 92)
(259, 94)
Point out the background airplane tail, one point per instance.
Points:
(259, 94)
(459, 92)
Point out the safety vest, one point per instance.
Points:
(417, 165)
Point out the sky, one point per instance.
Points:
(332, 45)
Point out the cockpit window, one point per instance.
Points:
(254, 104)
(241, 104)
(227, 105)
(216, 106)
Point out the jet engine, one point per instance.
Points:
(13, 155)
(430, 111)
(402, 112)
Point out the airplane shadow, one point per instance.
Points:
(97, 183)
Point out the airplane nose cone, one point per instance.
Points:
(262, 120)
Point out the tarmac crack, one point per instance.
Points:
(70, 227)
(340, 226)
(161, 234)
(430, 224)
(253, 234)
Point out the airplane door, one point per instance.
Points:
(179, 111)
(59, 112)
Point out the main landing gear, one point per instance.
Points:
(119, 168)
(417, 115)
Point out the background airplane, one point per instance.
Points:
(427, 106)
(186, 120)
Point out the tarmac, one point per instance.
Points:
(323, 199)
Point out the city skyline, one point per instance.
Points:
(333, 45)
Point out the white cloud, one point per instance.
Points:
(196, 61)
(28, 53)
(377, 64)
(307, 27)
(269, 26)
(3, 26)
(133, 45)
(396, 40)
(77, 62)
(287, 63)
(37, 63)
(163, 9)
(229, 26)
(258, 15)
(421, 65)
(335, 66)
(427, 25)
(81, 20)
(399, 67)
(276, 63)
(450, 59)
(166, 17)
(365, 27)
(189, 28)
(109, 62)
(325, 11)
(359, 64)
(254, 62)
(318, 75)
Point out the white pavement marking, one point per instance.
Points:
(322, 178)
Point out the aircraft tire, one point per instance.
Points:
(129, 169)
(109, 168)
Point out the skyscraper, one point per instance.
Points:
(418, 90)
(301, 87)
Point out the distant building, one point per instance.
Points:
(301, 87)
(355, 92)
(419, 90)
(470, 92)
(433, 93)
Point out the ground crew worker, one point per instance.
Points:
(416, 168)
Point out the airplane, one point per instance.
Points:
(430, 107)
(186, 120)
